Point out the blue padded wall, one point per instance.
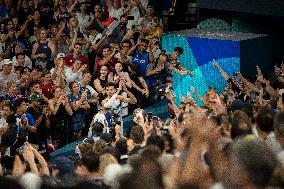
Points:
(197, 57)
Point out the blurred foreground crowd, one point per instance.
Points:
(74, 69)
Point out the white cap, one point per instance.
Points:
(60, 55)
(6, 61)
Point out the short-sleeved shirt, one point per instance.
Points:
(142, 61)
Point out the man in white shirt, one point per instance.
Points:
(82, 16)
(19, 49)
(6, 75)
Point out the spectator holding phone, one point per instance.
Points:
(26, 125)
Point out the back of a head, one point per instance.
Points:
(146, 174)
(157, 141)
(151, 152)
(241, 124)
(256, 159)
(91, 161)
(137, 134)
(121, 146)
(264, 119)
(6, 182)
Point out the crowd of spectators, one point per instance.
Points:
(74, 69)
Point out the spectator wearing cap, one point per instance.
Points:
(6, 75)
(23, 59)
(40, 112)
(77, 54)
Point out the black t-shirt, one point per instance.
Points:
(34, 137)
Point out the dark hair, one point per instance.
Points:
(127, 41)
(157, 141)
(97, 128)
(241, 125)
(256, 159)
(77, 43)
(19, 54)
(137, 134)
(108, 149)
(264, 119)
(33, 83)
(121, 146)
(146, 174)
(19, 102)
(91, 161)
(179, 50)
(151, 152)
(7, 182)
(135, 68)
(145, 41)
(110, 84)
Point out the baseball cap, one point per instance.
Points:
(21, 45)
(6, 61)
(60, 55)
(36, 97)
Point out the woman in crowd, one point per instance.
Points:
(79, 104)
(60, 114)
(43, 51)
(102, 79)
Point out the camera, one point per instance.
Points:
(114, 120)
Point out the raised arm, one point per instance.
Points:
(223, 73)
(198, 95)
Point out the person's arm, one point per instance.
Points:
(98, 87)
(52, 47)
(144, 84)
(29, 157)
(43, 164)
(223, 73)
(198, 95)
(54, 109)
(132, 50)
(130, 100)
(128, 80)
(98, 45)
(71, 9)
(151, 56)
(67, 107)
(34, 56)
(61, 29)
(171, 98)
(142, 9)
(19, 6)
(107, 59)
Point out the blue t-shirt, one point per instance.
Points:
(142, 61)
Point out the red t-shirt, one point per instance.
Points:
(47, 90)
(110, 65)
(70, 58)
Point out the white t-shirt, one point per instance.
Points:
(115, 13)
(28, 62)
(83, 19)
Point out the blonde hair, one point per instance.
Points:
(105, 160)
